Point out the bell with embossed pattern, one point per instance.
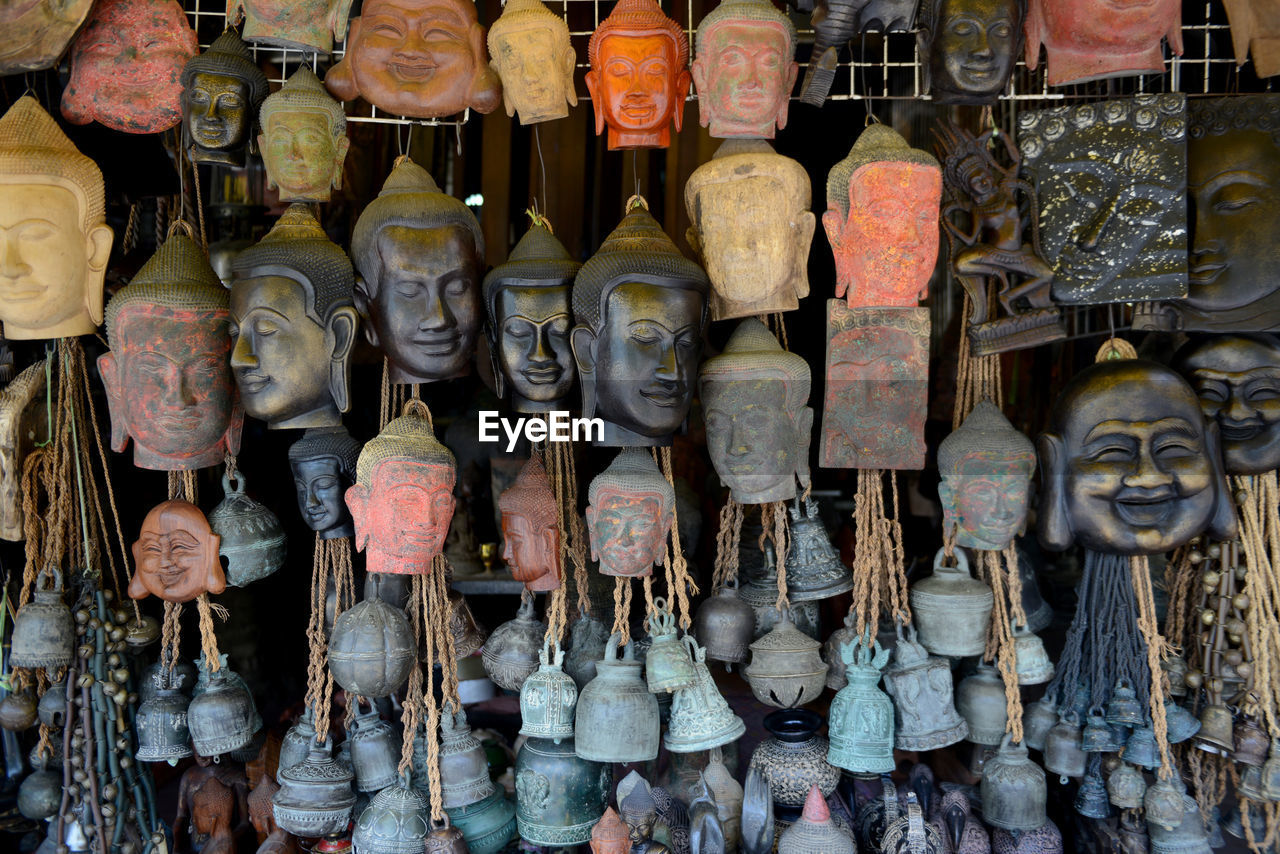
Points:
(296, 743)
(861, 719)
(511, 653)
(667, 666)
(464, 766)
(617, 719)
(925, 716)
(315, 796)
(375, 751)
(786, 668)
(1091, 797)
(44, 633)
(1034, 666)
(700, 719)
(253, 540)
(394, 822)
(1098, 736)
(548, 698)
(1189, 836)
(1013, 789)
(1163, 803)
(1141, 748)
(814, 568)
(559, 795)
(587, 639)
(161, 723)
(1126, 787)
(1123, 708)
(952, 608)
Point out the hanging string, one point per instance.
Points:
(622, 609)
(1000, 646)
(895, 559)
(413, 695)
(773, 522)
(558, 462)
(682, 585)
(1140, 572)
(728, 541)
(111, 494)
(316, 641)
(170, 629)
(208, 640)
(437, 616)
(1260, 541)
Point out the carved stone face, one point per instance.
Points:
(638, 85)
(989, 508)
(217, 111)
(744, 74)
(535, 60)
(35, 33)
(972, 50)
(320, 485)
(1237, 379)
(1095, 39)
(532, 552)
(533, 343)
(627, 533)
(402, 515)
(176, 555)
(756, 444)
(302, 154)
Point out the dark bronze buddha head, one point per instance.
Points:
(324, 465)
(971, 47)
(222, 90)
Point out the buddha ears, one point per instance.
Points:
(363, 300)
(1224, 524)
(357, 498)
(97, 253)
(486, 87)
(340, 332)
(1035, 33)
(683, 79)
(109, 370)
(597, 106)
(341, 79)
(1054, 528)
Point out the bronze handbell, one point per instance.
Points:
(724, 625)
(814, 569)
(161, 723)
(1216, 727)
(667, 665)
(700, 718)
(923, 697)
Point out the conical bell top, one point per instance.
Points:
(1014, 789)
(538, 257)
(1216, 725)
(667, 665)
(1123, 708)
(814, 569)
(1034, 666)
(161, 723)
(815, 832)
(700, 719)
(315, 796)
(464, 766)
(1141, 748)
(1091, 798)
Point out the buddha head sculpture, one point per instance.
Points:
(1254, 27)
(222, 90)
(402, 500)
(126, 64)
(971, 47)
(639, 77)
(417, 58)
(752, 226)
(24, 421)
(293, 325)
(1237, 378)
(324, 466)
(1130, 465)
(882, 220)
(167, 376)
(641, 308)
(530, 51)
(639, 812)
(745, 68)
(304, 139)
(1095, 39)
(530, 530)
(527, 300)
(176, 555)
(630, 509)
(35, 33)
(54, 239)
(420, 254)
(986, 467)
(306, 25)
(755, 398)
(1111, 184)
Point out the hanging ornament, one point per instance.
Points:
(530, 529)
(304, 138)
(533, 56)
(252, 539)
(222, 90)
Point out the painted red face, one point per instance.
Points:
(402, 517)
(1095, 39)
(638, 89)
(626, 533)
(532, 553)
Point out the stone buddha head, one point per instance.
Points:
(402, 500)
(324, 466)
(176, 555)
(1095, 39)
(882, 220)
(630, 509)
(641, 308)
(1130, 465)
(752, 226)
(304, 139)
(126, 64)
(638, 810)
(986, 467)
(529, 49)
(54, 237)
(293, 325)
(745, 69)
(24, 420)
(167, 376)
(307, 25)
(527, 300)
(971, 47)
(755, 399)
(222, 90)
(417, 58)
(530, 531)
(638, 78)
(420, 253)
(35, 33)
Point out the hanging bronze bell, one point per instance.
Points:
(1250, 743)
(40, 794)
(1098, 736)
(1063, 751)
(1189, 836)
(1175, 667)
(222, 718)
(617, 719)
(1037, 719)
(44, 634)
(1141, 748)
(395, 822)
(183, 676)
(444, 838)
(559, 795)
(793, 758)
(1216, 730)
(925, 716)
(814, 831)
(910, 833)
(1091, 798)
(1250, 785)
(760, 591)
(1034, 666)
(296, 743)
(374, 750)
(700, 719)
(1123, 708)
(371, 650)
(315, 796)
(161, 723)
(667, 666)
(487, 825)
(1126, 787)
(511, 653)
(253, 540)
(548, 698)
(1014, 789)
(724, 625)
(1179, 724)
(1234, 824)
(786, 668)
(1271, 773)
(18, 711)
(951, 609)
(468, 635)
(587, 639)
(981, 702)
(464, 766)
(814, 568)
(1163, 803)
(52, 708)
(846, 634)
(861, 717)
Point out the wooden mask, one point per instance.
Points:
(630, 509)
(745, 69)
(753, 228)
(324, 466)
(52, 195)
(1095, 39)
(530, 50)
(1255, 24)
(1111, 184)
(304, 139)
(420, 253)
(176, 555)
(639, 76)
(24, 420)
(1130, 465)
(35, 33)
(126, 64)
(222, 90)
(877, 387)
(307, 25)
(969, 47)
(530, 532)
(168, 379)
(293, 325)
(417, 58)
(986, 467)
(882, 220)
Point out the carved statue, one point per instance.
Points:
(304, 139)
(222, 90)
(1254, 26)
(176, 555)
(212, 795)
(1095, 39)
(969, 47)
(272, 839)
(24, 420)
(307, 25)
(639, 811)
(324, 466)
(745, 69)
(530, 529)
(34, 34)
(986, 467)
(630, 509)
(530, 51)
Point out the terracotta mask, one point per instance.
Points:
(308, 25)
(971, 47)
(324, 466)
(754, 396)
(420, 254)
(745, 69)
(176, 555)
(753, 227)
(629, 514)
(24, 420)
(35, 33)
(417, 58)
(222, 90)
(530, 50)
(304, 139)
(1255, 24)
(638, 78)
(167, 377)
(402, 500)
(1111, 185)
(126, 64)
(1094, 39)
(882, 220)
(641, 308)
(1237, 378)
(530, 533)
(986, 467)
(527, 300)
(877, 387)
(54, 239)
(1130, 465)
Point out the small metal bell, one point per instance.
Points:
(1141, 749)
(375, 751)
(468, 635)
(1126, 787)
(52, 708)
(371, 650)
(395, 822)
(444, 838)
(1123, 707)
(40, 794)
(1163, 803)
(1233, 824)
(18, 711)
(1180, 724)
(786, 668)
(617, 719)
(925, 716)
(981, 702)
(1251, 784)
(487, 825)
(1216, 730)
(814, 569)
(1175, 667)
(861, 718)
(315, 796)
(223, 717)
(1091, 797)
(910, 833)
(511, 653)
(814, 831)
(1250, 743)
(1037, 719)
(724, 625)
(587, 639)
(464, 766)
(253, 540)
(951, 608)
(1098, 736)
(1033, 664)
(700, 719)
(1188, 836)
(44, 633)
(1271, 773)
(1013, 789)
(1063, 753)
(548, 698)
(296, 743)
(667, 666)
(161, 723)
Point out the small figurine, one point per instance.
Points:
(222, 90)
(35, 35)
(630, 510)
(176, 555)
(529, 50)
(530, 529)
(745, 69)
(324, 466)
(306, 25)
(1096, 39)
(639, 811)
(969, 47)
(304, 139)
(211, 794)
(986, 467)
